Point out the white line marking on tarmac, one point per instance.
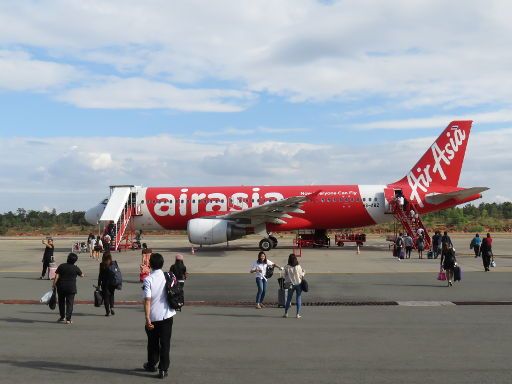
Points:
(425, 303)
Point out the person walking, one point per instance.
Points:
(445, 239)
(420, 245)
(90, 243)
(65, 282)
(159, 318)
(486, 251)
(475, 244)
(98, 247)
(105, 283)
(399, 246)
(47, 256)
(448, 261)
(436, 244)
(145, 269)
(408, 242)
(293, 275)
(179, 270)
(259, 267)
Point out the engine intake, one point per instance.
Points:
(213, 231)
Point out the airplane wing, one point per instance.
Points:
(440, 198)
(275, 212)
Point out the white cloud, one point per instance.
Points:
(137, 93)
(20, 72)
(77, 179)
(422, 53)
(499, 116)
(249, 132)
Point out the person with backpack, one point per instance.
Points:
(420, 245)
(259, 267)
(106, 281)
(159, 318)
(65, 282)
(408, 242)
(475, 245)
(179, 270)
(436, 244)
(486, 250)
(448, 261)
(98, 247)
(293, 276)
(47, 256)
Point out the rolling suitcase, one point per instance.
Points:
(51, 271)
(457, 273)
(281, 297)
(281, 292)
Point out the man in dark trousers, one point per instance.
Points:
(159, 318)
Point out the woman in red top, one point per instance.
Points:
(486, 250)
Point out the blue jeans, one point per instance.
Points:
(262, 287)
(298, 290)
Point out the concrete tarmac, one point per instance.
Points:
(427, 335)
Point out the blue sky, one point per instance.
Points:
(259, 92)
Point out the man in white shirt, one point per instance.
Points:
(159, 318)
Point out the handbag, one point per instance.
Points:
(46, 297)
(304, 285)
(269, 272)
(493, 264)
(52, 303)
(98, 298)
(441, 276)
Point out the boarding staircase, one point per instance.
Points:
(118, 215)
(411, 224)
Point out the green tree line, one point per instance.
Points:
(23, 220)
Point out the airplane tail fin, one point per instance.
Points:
(441, 164)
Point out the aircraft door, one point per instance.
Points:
(389, 196)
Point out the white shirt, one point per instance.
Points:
(293, 275)
(261, 269)
(154, 289)
(401, 200)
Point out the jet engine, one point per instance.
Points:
(213, 231)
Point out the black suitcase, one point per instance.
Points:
(98, 298)
(281, 297)
(457, 273)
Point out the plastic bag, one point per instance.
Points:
(46, 297)
(441, 276)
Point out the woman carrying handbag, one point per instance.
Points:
(293, 277)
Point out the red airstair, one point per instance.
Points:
(411, 224)
(118, 217)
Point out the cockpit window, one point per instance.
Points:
(104, 202)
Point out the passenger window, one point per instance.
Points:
(369, 199)
(329, 200)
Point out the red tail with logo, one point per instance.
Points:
(440, 167)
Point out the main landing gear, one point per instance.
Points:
(268, 243)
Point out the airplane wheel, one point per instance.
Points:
(273, 240)
(265, 245)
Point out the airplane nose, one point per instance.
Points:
(93, 215)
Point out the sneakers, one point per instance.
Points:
(261, 305)
(258, 306)
(298, 316)
(112, 312)
(107, 314)
(69, 322)
(148, 367)
(285, 315)
(162, 374)
(61, 320)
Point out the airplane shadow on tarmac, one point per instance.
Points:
(53, 366)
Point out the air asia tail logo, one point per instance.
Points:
(438, 165)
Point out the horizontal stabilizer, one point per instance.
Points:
(440, 198)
